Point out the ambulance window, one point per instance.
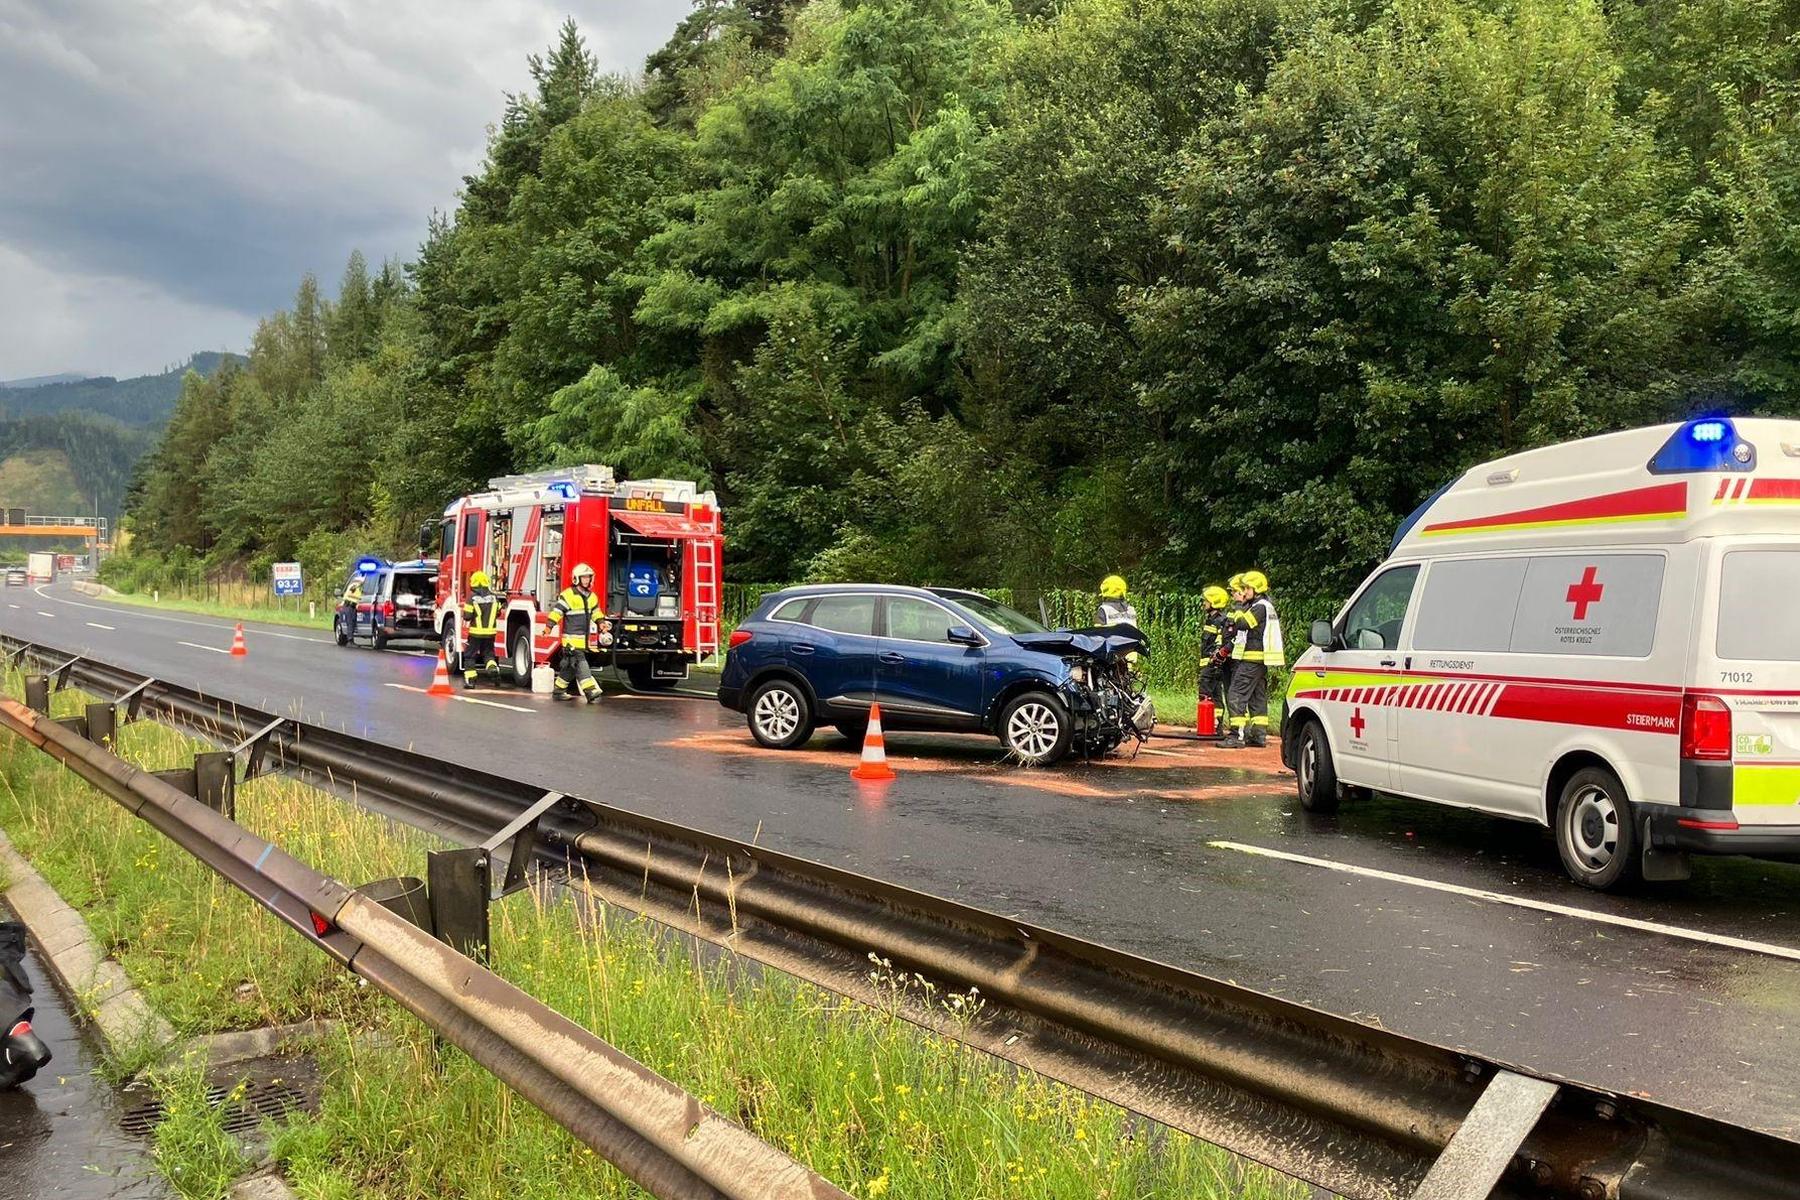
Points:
(1758, 618)
(1469, 604)
(845, 614)
(1374, 621)
(471, 529)
(1589, 604)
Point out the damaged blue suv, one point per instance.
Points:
(934, 659)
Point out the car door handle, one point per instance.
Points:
(1388, 662)
(801, 648)
(892, 657)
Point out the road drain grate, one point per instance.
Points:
(245, 1111)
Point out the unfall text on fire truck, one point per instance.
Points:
(656, 547)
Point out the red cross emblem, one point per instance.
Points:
(1584, 593)
(1357, 724)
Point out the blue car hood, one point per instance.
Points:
(1103, 643)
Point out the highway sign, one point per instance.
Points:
(287, 579)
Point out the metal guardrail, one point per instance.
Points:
(1360, 1110)
(659, 1135)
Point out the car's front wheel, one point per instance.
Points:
(341, 634)
(781, 715)
(1315, 772)
(1036, 729)
(1596, 830)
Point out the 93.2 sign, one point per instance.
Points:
(288, 581)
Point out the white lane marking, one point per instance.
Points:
(407, 687)
(155, 616)
(98, 625)
(42, 613)
(198, 646)
(1564, 910)
(12, 606)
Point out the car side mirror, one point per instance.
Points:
(962, 635)
(1321, 634)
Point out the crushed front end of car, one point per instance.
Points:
(1102, 689)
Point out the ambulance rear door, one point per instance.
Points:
(1750, 660)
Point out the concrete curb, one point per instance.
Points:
(124, 1018)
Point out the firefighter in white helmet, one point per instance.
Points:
(577, 613)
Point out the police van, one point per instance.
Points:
(1602, 637)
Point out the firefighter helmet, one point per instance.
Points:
(581, 570)
(1215, 596)
(480, 579)
(1235, 584)
(1256, 581)
(1113, 587)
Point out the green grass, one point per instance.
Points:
(867, 1098)
(242, 609)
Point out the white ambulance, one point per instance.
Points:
(1602, 637)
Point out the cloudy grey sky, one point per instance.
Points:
(169, 168)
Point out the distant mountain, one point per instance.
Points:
(41, 380)
(145, 401)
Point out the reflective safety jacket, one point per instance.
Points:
(576, 611)
(1213, 630)
(1117, 612)
(1253, 623)
(481, 615)
(353, 589)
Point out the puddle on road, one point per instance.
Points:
(59, 1134)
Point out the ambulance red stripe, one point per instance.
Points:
(1656, 500)
(1558, 702)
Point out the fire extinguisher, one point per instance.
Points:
(1206, 717)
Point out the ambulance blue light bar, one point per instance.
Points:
(1704, 444)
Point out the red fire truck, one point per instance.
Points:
(655, 545)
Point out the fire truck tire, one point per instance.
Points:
(781, 715)
(518, 656)
(452, 653)
(1596, 831)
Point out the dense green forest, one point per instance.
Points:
(144, 400)
(1019, 294)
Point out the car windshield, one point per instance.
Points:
(995, 615)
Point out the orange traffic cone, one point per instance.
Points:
(238, 649)
(440, 677)
(874, 767)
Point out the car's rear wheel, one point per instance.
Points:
(781, 715)
(1315, 772)
(1036, 729)
(518, 653)
(1596, 831)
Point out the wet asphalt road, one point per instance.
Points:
(1122, 854)
(59, 1134)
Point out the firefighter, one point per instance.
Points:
(577, 612)
(1115, 609)
(1248, 698)
(481, 617)
(1216, 641)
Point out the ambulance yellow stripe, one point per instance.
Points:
(1566, 523)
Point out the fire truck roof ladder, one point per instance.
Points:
(589, 477)
(706, 597)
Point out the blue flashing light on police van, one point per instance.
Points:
(1704, 444)
(368, 566)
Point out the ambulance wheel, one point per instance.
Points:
(781, 717)
(518, 655)
(1315, 772)
(1036, 728)
(1596, 831)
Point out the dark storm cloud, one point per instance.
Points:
(186, 162)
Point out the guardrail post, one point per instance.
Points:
(215, 781)
(404, 896)
(459, 882)
(37, 693)
(102, 723)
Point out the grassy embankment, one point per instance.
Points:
(870, 1100)
(235, 603)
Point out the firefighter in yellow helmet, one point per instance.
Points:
(481, 621)
(1115, 609)
(1259, 632)
(1216, 639)
(577, 613)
